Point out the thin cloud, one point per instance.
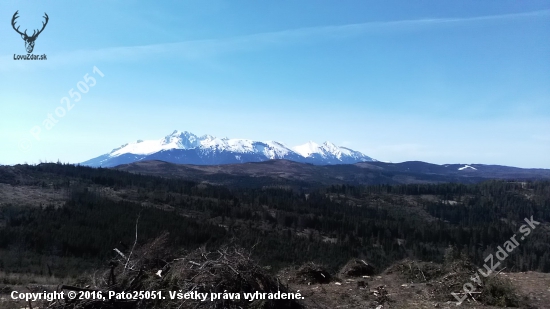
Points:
(201, 49)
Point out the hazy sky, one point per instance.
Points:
(437, 81)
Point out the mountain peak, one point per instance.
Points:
(207, 137)
(187, 148)
(178, 133)
(307, 149)
(331, 146)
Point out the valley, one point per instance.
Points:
(59, 220)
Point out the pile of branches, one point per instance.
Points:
(152, 268)
(416, 271)
(493, 290)
(310, 273)
(450, 277)
(356, 268)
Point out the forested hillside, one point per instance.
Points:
(78, 215)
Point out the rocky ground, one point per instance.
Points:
(391, 289)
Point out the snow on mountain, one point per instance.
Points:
(331, 152)
(188, 148)
(176, 140)
(276, 150)
(307, 149)
(466, 167)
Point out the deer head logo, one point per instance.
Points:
(29, 40)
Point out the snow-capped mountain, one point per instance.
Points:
(188, 148)
(330, 153)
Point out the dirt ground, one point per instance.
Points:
(535, 286)
(402, 295)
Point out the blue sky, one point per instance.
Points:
(437, 81)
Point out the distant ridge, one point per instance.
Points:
(299, 175)
(188, 148)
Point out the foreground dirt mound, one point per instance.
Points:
(310, 273)
(356, 268)
(416, 271)
(228, 271)
(461, 278)
(407, 284)
(402, 286)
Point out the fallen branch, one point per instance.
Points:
(135, 241)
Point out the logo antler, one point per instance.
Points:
(13, 24)
(29, 40)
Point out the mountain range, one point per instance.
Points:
(188, 148)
